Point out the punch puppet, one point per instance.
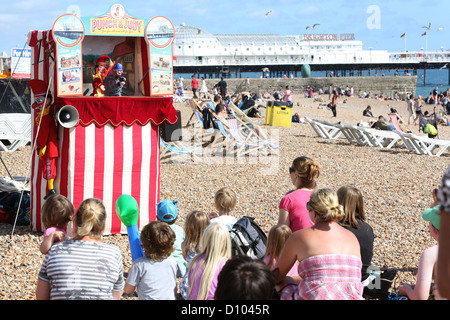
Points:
(100, 73)
(47, 136)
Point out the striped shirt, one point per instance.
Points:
(82, 270)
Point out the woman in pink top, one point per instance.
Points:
(292, 209)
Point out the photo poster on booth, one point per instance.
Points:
(70, 76)
(68, 33)
(160, 34)
(161, 71)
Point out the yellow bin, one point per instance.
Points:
(279, 114)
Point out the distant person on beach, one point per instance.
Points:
(292, 208)
(288, 94)
(56, 212)
(418, 108)
(380, 124)
(155, 274)
(443, 261)
(333, 103)
(204, 89)
(328, 255)
(410, 108)
(222, 85)
(368, 112)
(194, 85)
(83, 268)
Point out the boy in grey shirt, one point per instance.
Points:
(155, 274)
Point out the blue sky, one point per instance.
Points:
(378, 23)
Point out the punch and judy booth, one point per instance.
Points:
(108, 143)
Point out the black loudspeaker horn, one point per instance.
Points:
(68, 116)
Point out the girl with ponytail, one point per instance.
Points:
(304, 173)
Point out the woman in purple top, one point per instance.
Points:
(292, 209)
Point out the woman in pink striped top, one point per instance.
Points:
(328, 256)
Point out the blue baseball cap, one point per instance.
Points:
(167, 210)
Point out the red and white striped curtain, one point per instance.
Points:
(103, 162)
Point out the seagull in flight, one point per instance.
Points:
(429, 26)
(313, 27)
(268, 12)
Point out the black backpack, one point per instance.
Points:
(247, 238)
(207, 119)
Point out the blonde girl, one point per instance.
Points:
(206, 266)
(194, 225)
(276, 239)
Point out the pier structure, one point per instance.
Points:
(229, 55)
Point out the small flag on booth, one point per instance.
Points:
(424, 34)
(403, 35)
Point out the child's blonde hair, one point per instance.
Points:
(90, 218)
(194, 225)
(225, 200)
(276, 239)
(216, 245)
(57, 212)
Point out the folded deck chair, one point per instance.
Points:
(380, 138)
(323, 130)
(354, 135)
(176, 150)
(15, 131)
(424, 145)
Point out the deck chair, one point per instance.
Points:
(354, 135)
(15, 131)
(246, 135)
(381, 138)
(424, 145)
(237, 144)
(324, 130)
(176, 150)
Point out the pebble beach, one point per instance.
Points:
(396, 184)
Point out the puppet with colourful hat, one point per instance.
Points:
(46, 131)
(100, 73)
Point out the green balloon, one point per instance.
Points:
(127, 210)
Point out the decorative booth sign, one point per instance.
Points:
(68, 32)
(160, 35)
(80, 42)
